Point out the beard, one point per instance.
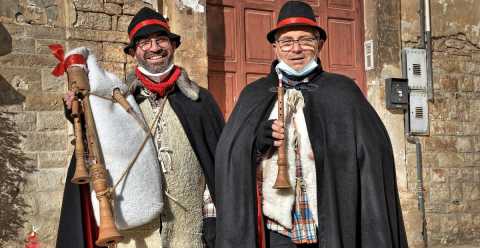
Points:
(156, 67)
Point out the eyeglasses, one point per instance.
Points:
(146, 44)
(305, 43)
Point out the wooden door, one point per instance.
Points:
(239, 53)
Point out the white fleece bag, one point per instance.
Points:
(138, 197)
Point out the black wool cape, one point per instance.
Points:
(358, 203)
(202, 121)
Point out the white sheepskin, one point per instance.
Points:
(138, 198)
(278, 204)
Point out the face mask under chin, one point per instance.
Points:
(309, 67)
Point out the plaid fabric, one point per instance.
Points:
(304, 229)
(209, 210)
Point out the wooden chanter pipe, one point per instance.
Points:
(76, 83)
(108, 232)
(282, 181)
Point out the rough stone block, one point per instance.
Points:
(31, 202)
(469, 230)
(113, 9)
(51, 200)
(97, 21)
(50, 180)
(114, 1)
(52, 84)
(31, 183)
(114, 22)
(471, 128)
(462, 107)
(15, 30)
(476, 144)
(476, 83)
(43, 102)
(475, 109)
(476, 177)
(466, 84)
(54, 16)
(440, 144)
(460, 175)
(450, 159)
(456, 206)
(476, 157)
(456, 202)
(25, 121)
(473, 206)
(10, 107)
(23, 45)
(28, 60)
(439, 192)
(45, 32)
(33, 15)
(21, 79)
(45, 141)
(131, 7)
(472, 67)
(452, 226)
(471, 191)
(448, 84)
(88, 5)
(442, 108)
(41, 46)
(440, 127)
(48, 160)
(51, 121)
(452, 65)
(439, 176)
(113, 52)
(98, 35)
(464, 144)
(123, 22)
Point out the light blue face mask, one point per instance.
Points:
(302, 72)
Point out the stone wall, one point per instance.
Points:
(452, 151)
(451, 157)
(34, 134)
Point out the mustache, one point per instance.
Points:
(160, 52)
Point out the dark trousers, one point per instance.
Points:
(276, 240)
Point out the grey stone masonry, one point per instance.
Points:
(35, 136)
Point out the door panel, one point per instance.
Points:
(341, 52)
(257, 22)
(239, 53)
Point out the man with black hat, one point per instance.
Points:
(189, 123)
(339, 158)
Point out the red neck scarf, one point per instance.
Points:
(162, 87)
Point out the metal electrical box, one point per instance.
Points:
(396, 93)
(414, 67)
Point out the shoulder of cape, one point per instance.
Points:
(260, 87)
(337, 86)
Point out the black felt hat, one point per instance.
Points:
(146, 22)
(296, 13)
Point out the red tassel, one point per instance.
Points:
(32, 240)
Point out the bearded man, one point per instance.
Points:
(339, 158)
(188, 123)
